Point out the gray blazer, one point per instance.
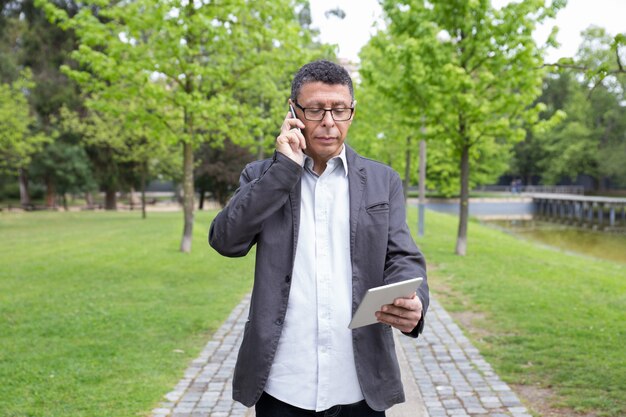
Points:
(265, 211)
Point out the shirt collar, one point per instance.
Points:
(308, 161)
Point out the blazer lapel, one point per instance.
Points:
(356, 181)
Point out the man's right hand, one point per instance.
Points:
(291, 142)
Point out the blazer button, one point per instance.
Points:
(279, 322)
(287, 279)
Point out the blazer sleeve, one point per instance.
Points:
(403, 256)
(262, 191)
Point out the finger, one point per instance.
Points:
(293, 135)
(301, 139)
(401, 312)
(407, 302)
(291, 138)
(287, 138)
(286, 126)
(291, 123)
(402, 324)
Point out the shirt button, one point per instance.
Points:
(279, 322)
(287, 278)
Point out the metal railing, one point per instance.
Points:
(551, 189)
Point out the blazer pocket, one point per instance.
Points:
(380, 207)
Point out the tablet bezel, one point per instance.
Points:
(376, 297)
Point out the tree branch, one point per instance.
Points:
(619, 70)
(618, 59)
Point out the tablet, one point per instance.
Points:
(375, 298)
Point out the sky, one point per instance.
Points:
(354, 31)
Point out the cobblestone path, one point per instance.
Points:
(451, 377)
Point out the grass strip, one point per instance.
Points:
(544, 317)
(99, 312)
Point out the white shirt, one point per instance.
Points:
(314, 364)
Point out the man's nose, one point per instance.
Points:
(328, 118)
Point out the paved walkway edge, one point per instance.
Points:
(414, 404)
(443, 374)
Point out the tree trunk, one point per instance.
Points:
(201, 202)
(422, 189)
(51, 196)
(110, 199)
(24, 194)
(89, 199)
(188, 191)
(131, 198)
(461, 239)
(64, 200)
(143, 190)
(407, 168)
(261, 149)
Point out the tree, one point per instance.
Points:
(29, 42)
(585, 142)
(123, 151)
(184, 62)
(528, 156)
(65, 168)
(383, 129)
(604, 56)
(601, 59)
(18, 142)
(590, 141)
(472, 71)
(219, 168)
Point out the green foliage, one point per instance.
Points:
(466, 71)
(122, 142)
(10, 30)
(182, 64)
(66, 166)
(468, 68)
(185, 72)
(591, 138)
(601, 58)
(218, 169)
(381, 129)
(17, 141)
(30, 41)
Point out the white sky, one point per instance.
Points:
(354, 31)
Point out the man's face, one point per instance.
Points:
(324, 138)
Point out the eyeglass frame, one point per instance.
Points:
(304, 109)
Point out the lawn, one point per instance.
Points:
(99, 312)
(542, 316)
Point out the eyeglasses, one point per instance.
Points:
(339, 114)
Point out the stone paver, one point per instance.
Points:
(447, 376)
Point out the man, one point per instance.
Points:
(328, 225)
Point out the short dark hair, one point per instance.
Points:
(321, 71)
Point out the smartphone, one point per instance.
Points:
(293, 114)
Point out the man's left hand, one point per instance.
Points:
(403, 314)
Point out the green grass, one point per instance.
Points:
(550, 318)
(95, 309)
(99, 312)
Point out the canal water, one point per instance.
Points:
(603, 245)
